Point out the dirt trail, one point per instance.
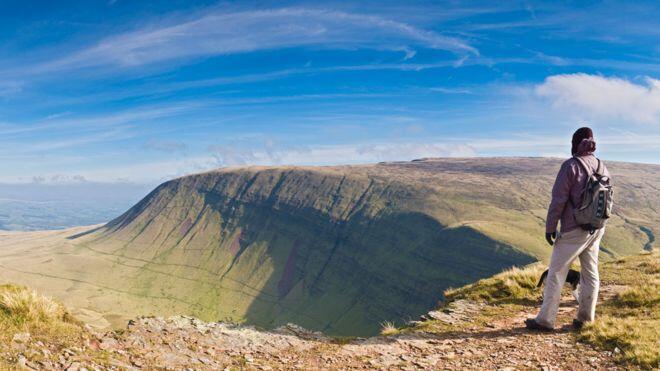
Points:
(184, 342)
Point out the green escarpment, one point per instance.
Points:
(339, 253)
(338, 249)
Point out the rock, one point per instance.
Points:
(94, 344)
(21, 337)
(22, 361)
(180, 321)
(449, 355)
(119, 364)
(205, 360)
(137, 362)
(75, 366)
(68, 352)
(108, 343)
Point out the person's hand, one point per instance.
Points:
(550, 238)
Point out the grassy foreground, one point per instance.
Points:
(513, 286)
(628, 319)
(629, 323)
(34, 325)
(36, 328)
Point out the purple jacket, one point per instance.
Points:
(570, 183)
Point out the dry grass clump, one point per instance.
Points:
(388, 329)
(25, 312)
(629, 323)
(647, 296)
(634, 339)
(21, 306)
(515, 285)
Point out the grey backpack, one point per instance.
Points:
(597, 199)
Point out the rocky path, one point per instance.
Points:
(183, 342)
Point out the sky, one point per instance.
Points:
(143, 91)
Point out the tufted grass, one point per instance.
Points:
(512, 286)
(629, 323)
(25, 311)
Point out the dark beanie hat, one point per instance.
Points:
(579, 135)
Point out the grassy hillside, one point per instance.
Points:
(339, 249)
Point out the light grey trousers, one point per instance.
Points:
(577, 243)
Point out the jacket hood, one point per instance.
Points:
(586, 147)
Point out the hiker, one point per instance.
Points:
(574, 240)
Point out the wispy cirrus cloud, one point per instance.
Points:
(164, 145)
(355, 153)
(102, 120)
(247, 31)
(114, 134)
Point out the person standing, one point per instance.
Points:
(573, 241)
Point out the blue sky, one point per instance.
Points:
(144, 91)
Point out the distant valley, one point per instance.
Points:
(35, 206)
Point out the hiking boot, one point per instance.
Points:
(531, 324)
(577, 324)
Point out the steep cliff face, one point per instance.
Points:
(342, 249)
(330, 250)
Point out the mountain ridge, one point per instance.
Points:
(338, 249)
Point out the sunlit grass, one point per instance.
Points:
(388, 329)
(23, 306)
(629, 323)
(515, 285)
(40, 318)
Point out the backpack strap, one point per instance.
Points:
(584, 166)
(599, 169)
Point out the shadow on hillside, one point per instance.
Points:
(85, 233)
(346, 279)
(341, 267)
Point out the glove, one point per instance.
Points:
(550, 237)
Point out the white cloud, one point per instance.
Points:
(444, 90)
(338, 154)
(270, 154)
(165, 145)
(93, 122)
(245, 31)
(598, 97)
